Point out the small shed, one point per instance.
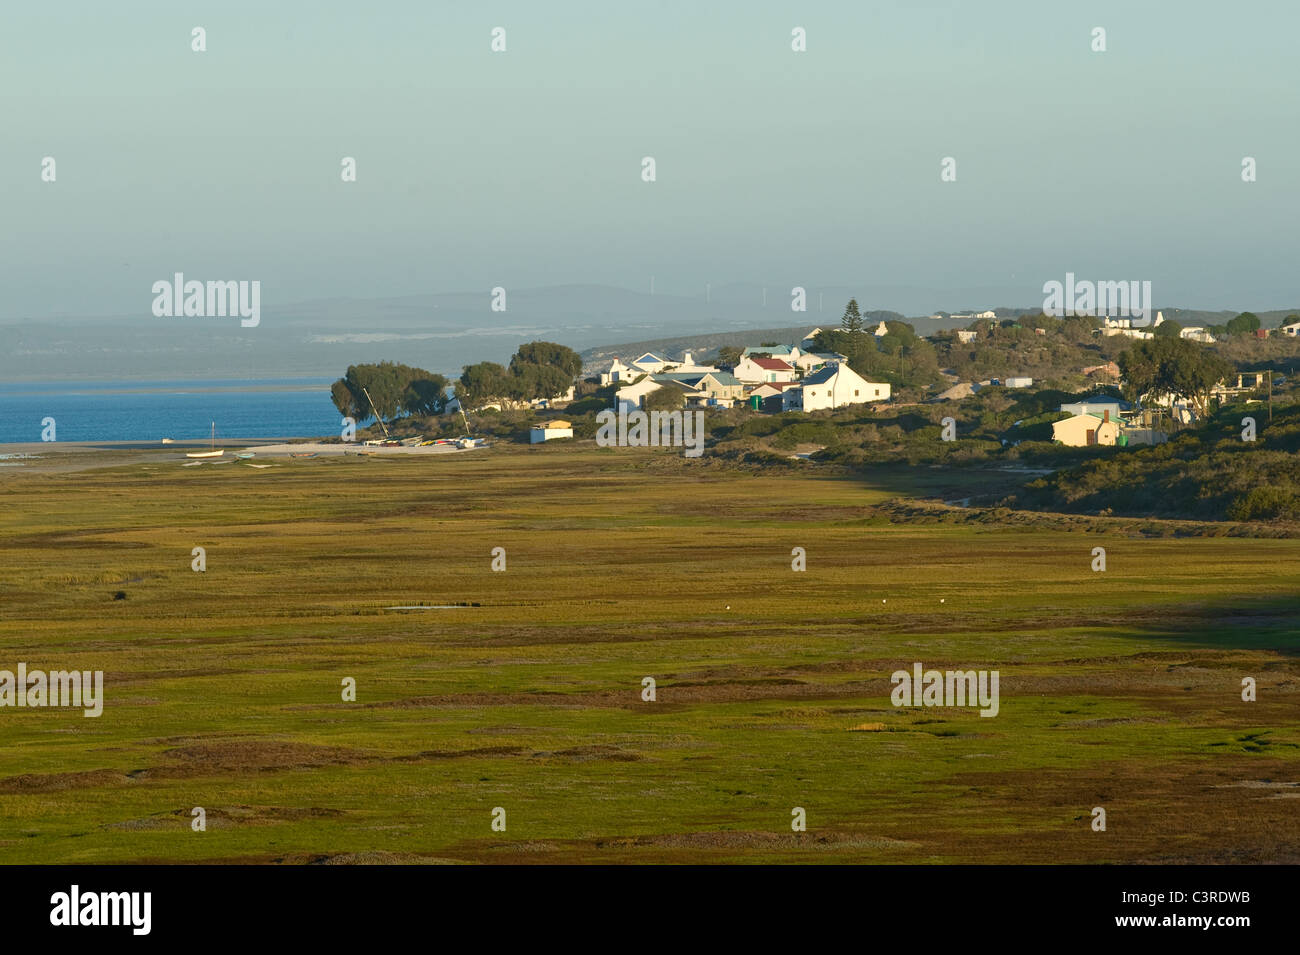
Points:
(550, 431)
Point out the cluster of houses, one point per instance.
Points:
(767, 378)
(1197, 333)
(1130, 329)
(1105, 420)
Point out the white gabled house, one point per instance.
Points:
(649, 363)
(619, 372)
(764, 369)
(631, 397)
(833, 387)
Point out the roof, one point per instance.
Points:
(648, 356)
(1099, 400)
(822, 375)
(680, 377)
(552, 426)
(1089, 414)
(772, 364)
(722, 377)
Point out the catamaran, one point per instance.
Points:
(214, 453)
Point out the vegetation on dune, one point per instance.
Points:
(1202, 473)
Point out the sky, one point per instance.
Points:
(523, 168)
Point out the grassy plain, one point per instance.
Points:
(1119, 689)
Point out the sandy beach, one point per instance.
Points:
(62, 457)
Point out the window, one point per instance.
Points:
(855, 392)
(877, 392)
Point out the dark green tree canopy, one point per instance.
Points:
(394, 388)
(549, 354)
(728, 355)
(537, 370)
(482, 382)
(1173, 367)
(1247, 323)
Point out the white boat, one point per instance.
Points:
(214, 453)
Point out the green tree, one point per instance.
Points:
(393, 388)
(1247, 323)
(1173, 367)
(669, 397)
(852, 320)
(425, 395)
(483, 382)
(528, 381)
(548, 353)
(1168, 329)
(728, 355)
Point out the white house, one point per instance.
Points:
(688, 365)
(1293, 329)
(650, 363)
(965, 337)
(833, 387)
(1083, 430)
(809, 361)
(810, 340)
(619, 372)
(1019, 382)
(632, 396)
(1196, 333)
(882, 329)
(764, 369)
(550, 431)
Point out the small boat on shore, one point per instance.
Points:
(245, 455)
(214, 453)
(305, 454)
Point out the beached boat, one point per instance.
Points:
(303, 454)
(214, 453)
(245, 455)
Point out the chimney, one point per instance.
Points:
(1105, 415)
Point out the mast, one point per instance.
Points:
(376, 411)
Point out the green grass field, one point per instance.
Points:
(223, 689)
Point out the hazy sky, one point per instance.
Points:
(523, 168)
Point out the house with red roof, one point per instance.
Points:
(757, 370)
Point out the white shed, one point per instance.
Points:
(550, 431)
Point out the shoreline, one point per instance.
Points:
(61, 457)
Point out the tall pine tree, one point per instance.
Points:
(852, 320)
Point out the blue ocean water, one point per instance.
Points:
(182, 410)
